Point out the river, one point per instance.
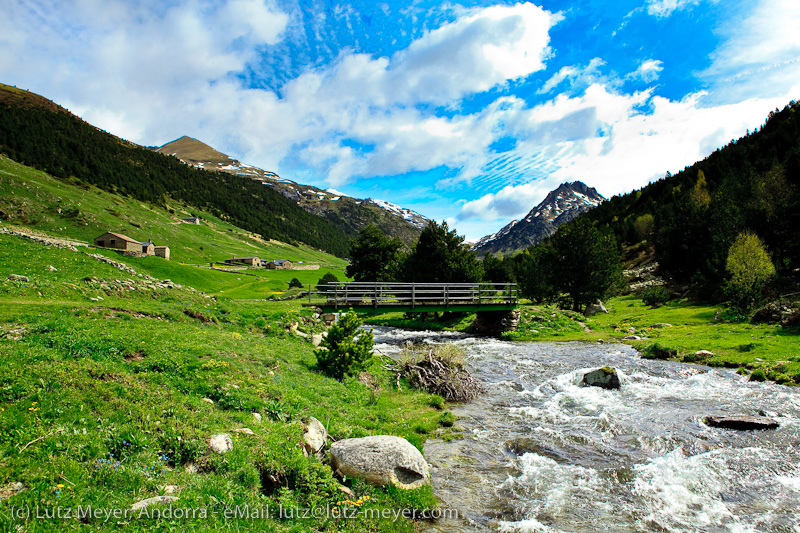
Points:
(635, 459)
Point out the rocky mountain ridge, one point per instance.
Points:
(559, 207)
(351, 214)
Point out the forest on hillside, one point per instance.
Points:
(693, 217)
(748, 190)
(68, 148)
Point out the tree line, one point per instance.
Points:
(574, 268)
(67, 148)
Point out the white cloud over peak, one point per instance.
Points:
(616, 142)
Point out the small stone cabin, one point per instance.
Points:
(118, 241)
(278, 264)
(192, 220)
(162, 251)
(123, 243)
(249, 261)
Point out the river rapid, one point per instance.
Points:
(589, 459)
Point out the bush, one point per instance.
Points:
(758, 375)
(295, 283)
(751, 269)
(655, 296)
(340, 353)
(656, 351)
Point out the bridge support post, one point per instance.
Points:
(495, 322)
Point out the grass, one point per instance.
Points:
(103, 388)
(33, 198)
(770, 348)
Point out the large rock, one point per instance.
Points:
(314, 437)
(18, 277)
(380, 460)
(595, 309)
(605, 378)
(741, 422)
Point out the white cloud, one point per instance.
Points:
(151, 73)
(130, 67)
(759, 53)
(648, 71)
(664, 8)
(576, 75)
(614, 144)
(508, 203)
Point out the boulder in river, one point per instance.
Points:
(605, 378)
(524, 445)
(741, 422)
(380, 460)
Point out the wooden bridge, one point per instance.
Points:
(381, 297)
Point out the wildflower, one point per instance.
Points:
(60, 486)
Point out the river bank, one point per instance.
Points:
(539, 452)
(685, 328)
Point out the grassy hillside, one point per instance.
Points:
(35, 199)
(103, 388)
(39, 134)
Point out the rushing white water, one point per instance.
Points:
(635, 459)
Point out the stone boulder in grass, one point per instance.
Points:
(605, 378)
(380, 460)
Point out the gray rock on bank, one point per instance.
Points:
(381, 460)
(595, 309)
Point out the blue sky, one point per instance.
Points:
(468, 111)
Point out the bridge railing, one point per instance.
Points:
(411, 295)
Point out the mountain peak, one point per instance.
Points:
(190, 149)
(561, 205)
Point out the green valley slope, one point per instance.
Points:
(36, 132)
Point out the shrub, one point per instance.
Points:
(656, 351)
(295, 283)
(750, 269)
(655, 296)
(758, 375)
(340, 353)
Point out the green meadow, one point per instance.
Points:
(104, 389)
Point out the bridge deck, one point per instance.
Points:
(379, 297)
